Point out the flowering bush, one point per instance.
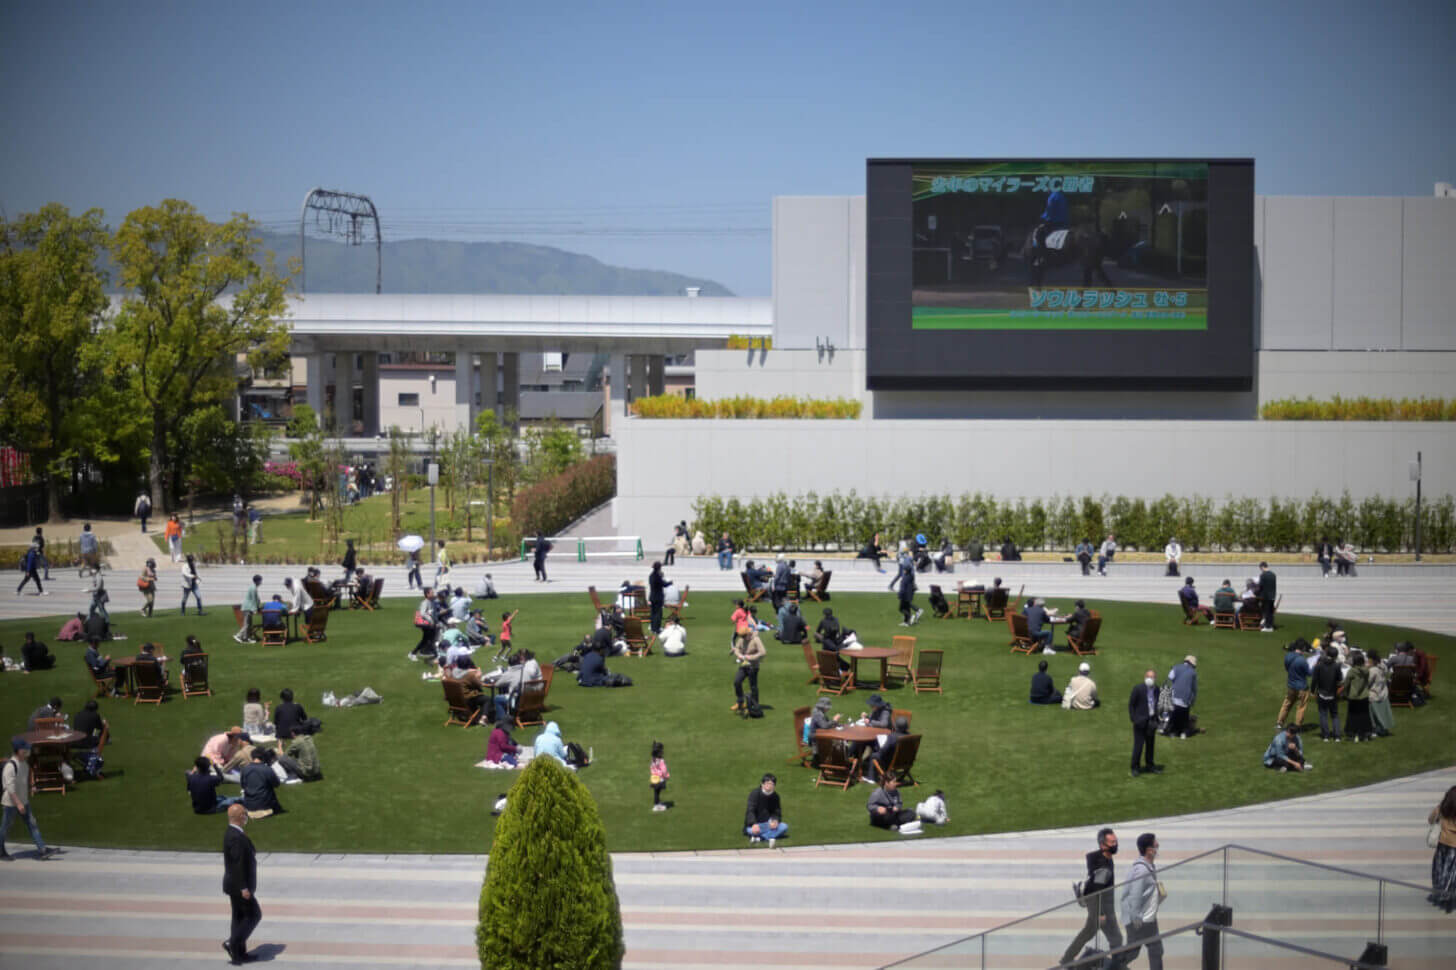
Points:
(743, 408)
(551, 505)
(1360, 409)
(284, 469)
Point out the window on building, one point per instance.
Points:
(409, 400)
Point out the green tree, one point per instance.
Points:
(498, 445)
(198, 300)
(51, 301)
(553, 450)
(304, 420)
(549, 900)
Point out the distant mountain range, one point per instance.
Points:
(445, 266)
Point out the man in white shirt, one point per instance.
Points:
(1081, 692)
(1105, 554)
(485, 589)
(674, 638)
(1174, 554)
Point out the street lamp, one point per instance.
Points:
(1415, 474)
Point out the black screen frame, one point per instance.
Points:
(899, 358)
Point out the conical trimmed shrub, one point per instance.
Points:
(549, 902)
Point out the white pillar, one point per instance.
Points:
(370, 380)
(315, 382)
(464, 389)
(344, 393)
(511, 384)
(617, 413)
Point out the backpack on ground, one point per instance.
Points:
(576, 755)
(751, 708)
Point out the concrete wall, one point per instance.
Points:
(767, 373)
(439, 405)
(818, 271)
(664, 465)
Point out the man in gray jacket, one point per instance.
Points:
(1139, 899)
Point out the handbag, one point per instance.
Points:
(1433, 834)
(1162, 891)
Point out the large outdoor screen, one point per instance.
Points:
(1053, 272)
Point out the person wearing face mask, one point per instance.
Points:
(1140, 897)
(1142, 710)
(1096, 893)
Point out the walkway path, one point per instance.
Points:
(854, 906)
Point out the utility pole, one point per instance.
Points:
(432, 474)
(1415, 472)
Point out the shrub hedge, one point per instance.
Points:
(1360, 409)
(554, 503)
(673, 406)
(846, 521)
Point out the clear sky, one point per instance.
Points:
(655, 135)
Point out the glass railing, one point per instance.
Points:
(1285, 912)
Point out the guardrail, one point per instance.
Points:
(583, 553)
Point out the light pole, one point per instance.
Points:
(432, 474)
(1415, 472)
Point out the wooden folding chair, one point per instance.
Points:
(194, 676)
(836, 767)
(105, 683)
(278, 637)
(1430, 673)
(1402, 685)
(531, 702)
(150, 687)
(805, 751)
(903, 660)
(902, 759)
(927, 671)
(318, 622)
(320, 594)
(969, 602)
(1021, 641)
(1191, 616)
(1085, 643)
(900, 712)
(819, 592)
(813, 663)
(596, 600)
(638, 642)
(833, 680)
(51, 724)
(1251, 618)
(45, 773)
(370, 600)
(457, 703)
(675, 610)
(994, 603)
(1225, 621)
(754, 595)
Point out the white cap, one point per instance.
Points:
(1084, 668)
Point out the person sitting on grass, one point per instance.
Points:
(291, 720)
(73, 629)
(260, 782)
(476, 630)
(674, 638)
(1081, 692)
(763, 818)
(791, 625)
(255, 714)
(1043, 690)
(1286, 752)
(35, 655)
(363, 586)
(549, 744)
(192, 647)
(501, 749)
(887, 811)
(229, 751)
(202, 781)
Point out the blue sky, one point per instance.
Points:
(655, 135)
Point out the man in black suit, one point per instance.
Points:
(1266, 597)
(240, 882)
(1142, 710)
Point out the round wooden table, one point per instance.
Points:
(866, 733)
(63, 737)
(882, 654)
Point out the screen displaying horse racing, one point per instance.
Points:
(1060, 246)
(1018, 273)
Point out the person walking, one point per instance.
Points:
(15, 800)
(191, 584)
(1296, 691)
(749, 656)
(1268, 588)
(350, 562)
(30, 567)
(1096, 893)
(173, 532)
(908, 613)
(442, 563)
(1142, 710)
(538, 559)
(39, 543)
(1139, 898)
(240, 883)
(143, 509)
(1443, 863)
(147, 584)
(412, 563)
(252, 605)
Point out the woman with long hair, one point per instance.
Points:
(1443, 864)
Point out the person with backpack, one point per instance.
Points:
(143, 509)
(15, 784)
(749, 655)
(29, 565)
(538, 557)
(1095, 893)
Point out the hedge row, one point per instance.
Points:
(554, 503)
(674, 406)
(846, 521)
(1360, 409)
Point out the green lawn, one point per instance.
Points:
(397, 780)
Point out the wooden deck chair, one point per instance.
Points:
(1085, 643)
(902, 759)
(1225, 621)
(1191, 616)
(1431, 673)
(639, 644)
(252, 625)
(278, 637)
(1016, 603)
(45, 772)
(1402, 685)
(903, 660)
(819, 592)
(675, 610)
(927, 671)
(531, 703)
(994, 603)
(900, 712)
(970, 603)
(812, 661)
(194, 676)
(1251, 618)
(1021, 640)
(836, 767)
(369, 599)
(320, 594)
(51, 724)
(596, 600)
(318, 623)
(641, 608)
(832, 680)
(105, 683)
(457, 703)
(754, 595)
(791, 595)
(805, 753)
(150, 687)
